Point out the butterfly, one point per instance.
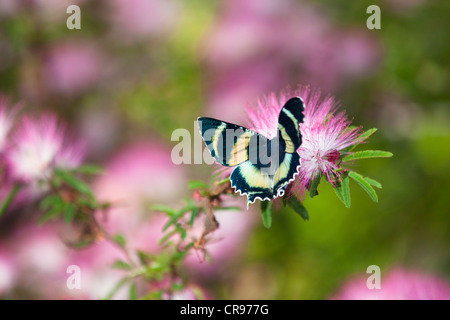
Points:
(263, 167)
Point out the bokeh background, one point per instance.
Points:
(139, 69)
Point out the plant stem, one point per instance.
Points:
(12, 194)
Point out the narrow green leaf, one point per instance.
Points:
(373, 182)
(182, 232)
(298, 207)
(50, 215)
(162, 208)
(69, 212)
(119, 264)
(315, 183)
(364, 184)
(74, 182)
(227, 179)
(367, 154)
(89, 169)
(166, 237)
(194, 214)
(55, 208)
(197, 185)
(230, 208)
(363, 137)
(9, 199)
(116, 288)
(120, 240)
(266, 212)
(343, 191)
(48, 201)
(133, 292)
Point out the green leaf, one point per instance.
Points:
(74, 182)
(119, 264)
(364, 184)
(166, 237)
(343, 191)
(55, 206)
(89, 169)
(373, 182)
(197, 185)
(120, 240)
(315, 183)
(69, 212)
(162, 208)
(367, 154)
(12, 194)
(227, 179)
(133, 292)
(116, 288)
(363, 137)
(230, 208)
(194, 214)
(266, 212)
(298, 207)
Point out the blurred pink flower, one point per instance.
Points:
(40, 145)
(297, 41)
(73, 67)
(398, 284)
(8, 272)
(138, 19)
(138, 175)
(7, 117)
(237, 86)
(325, 133)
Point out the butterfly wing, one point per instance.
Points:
(289, 125)
(290, 139)
(233, 145)
(248, 179)
(228, 143)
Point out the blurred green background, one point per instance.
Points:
(152, 81)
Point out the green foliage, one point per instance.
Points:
(298, 207)
(367, 154)
(266, 213)
(343, 191)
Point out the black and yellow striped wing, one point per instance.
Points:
(289, 125)
(264, 167)
(290, 139)
(228, 143)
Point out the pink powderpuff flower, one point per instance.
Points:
(8, 272)
(7, 117)
(325, 133)
(136, 176)
(74, 67)
(139, 19)
(39, 146)
(398, 284)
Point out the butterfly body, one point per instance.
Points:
(263, 167)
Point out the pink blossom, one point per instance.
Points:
(73, 67)
(8, 271)
(39, 146)
(7, 118)
(136, 176)
(325, 133)
(138, 19)
(398, 284)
